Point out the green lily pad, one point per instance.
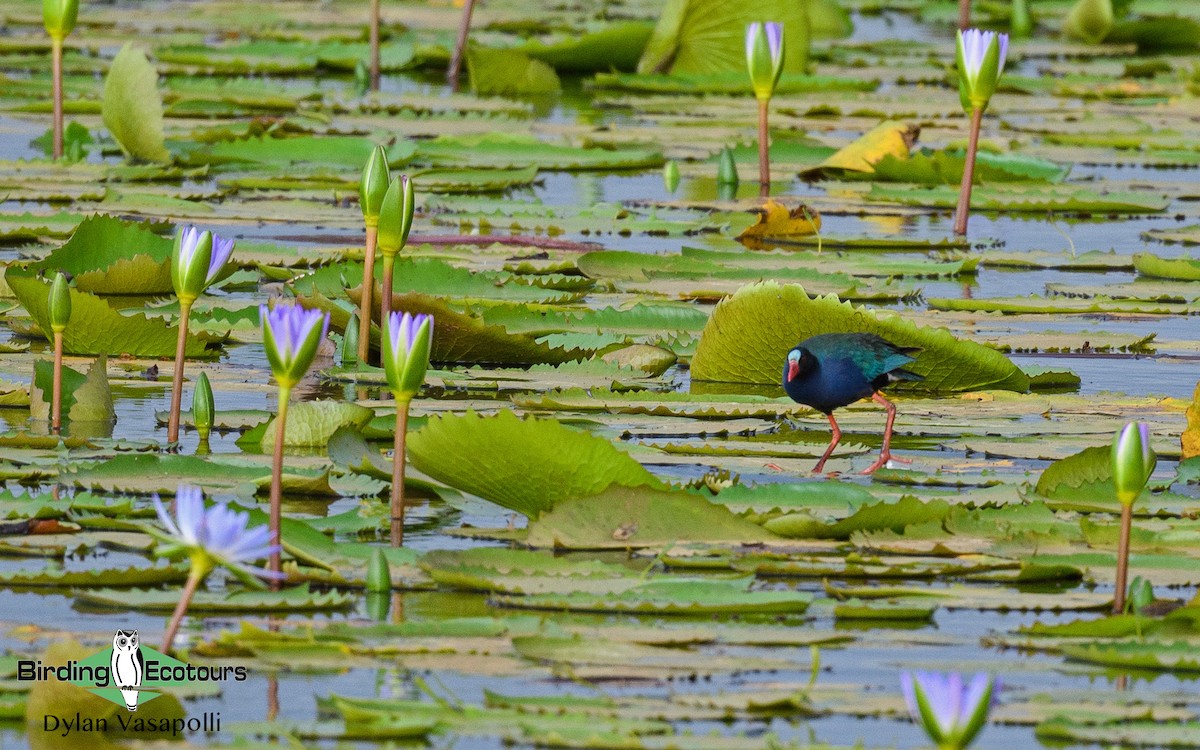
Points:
(295, 599)
(526, 465)
(679, 597)
(132, 107)
(750, 333)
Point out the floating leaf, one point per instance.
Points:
(518, 151)
(108, 256)
(310, 424)
(888, 138)
(526, 465)
(777, 220)
(624, 517)
(85, 398)
(508, 72)
(678, 597)
(295, 599)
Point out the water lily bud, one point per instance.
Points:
(764, 57)
(671, 176)
(950, 711)
(59, 16)
(379, 574)
(203, 411)
(362, 77)
(396, 216)
(981, 56)
(349, 351)
(1133, 461)
(1141, 595)
(197, 260)
(1020, 23)
(373, 186)
(60, 303)
(1089, 20)
(405, 353)
(726, 168)
(291, 335)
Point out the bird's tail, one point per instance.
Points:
(131, 699)
(897, 375)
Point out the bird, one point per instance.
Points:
(832, 370)
(128, 666)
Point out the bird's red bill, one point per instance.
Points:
(793, 369)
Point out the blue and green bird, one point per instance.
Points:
(833, 370)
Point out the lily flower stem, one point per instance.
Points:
(964, 14)
(276, 563)
(368, 286)
(385, 299)
(185, 310)
(56, 56)
(374, 34)
(56, 389)
(963, 212)
(460, 46)
(1123, 559)
(398, 461)
(764, 145)
(185, 600)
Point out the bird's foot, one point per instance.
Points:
(883, 460)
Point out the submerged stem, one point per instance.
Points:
(764, 144)
(368, 287)
(185, 600)
(56, 74)
(374, 36)
(56, 389)
(1123, 558)
(276, 500)
(460, 45)
(963, 212)
(177, 380)
(398, 461)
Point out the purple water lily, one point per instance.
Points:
(291, 335)
(975, 47)
(222, 249)
(214, 535)
(403, 327)
(405, 352)
(774, 37)
(951, 712)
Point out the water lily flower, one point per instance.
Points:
(406, 345)
(372, 188)
(197, 260)
(981, 56)
(1132, 461)
(406, 353)
(58, 16)
(59, 303)
(764, 58)
(395, 221)
(951, 712)
(210, 537)
(291, 335)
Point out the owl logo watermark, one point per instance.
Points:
(128, 666)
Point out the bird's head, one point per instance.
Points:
(799, 362)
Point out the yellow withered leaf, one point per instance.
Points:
(888, 138)
(1190, 439)
(777, 220)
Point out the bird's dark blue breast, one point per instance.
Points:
(831, 383)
